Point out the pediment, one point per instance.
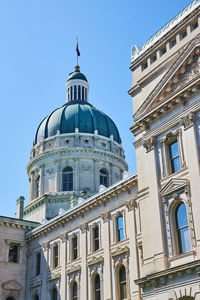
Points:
(178, 83)
(11, 285)
(172, 186)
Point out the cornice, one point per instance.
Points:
(17, 224)
(73, 150)
(162, 277)
(89, 204)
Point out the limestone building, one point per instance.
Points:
(90, 230)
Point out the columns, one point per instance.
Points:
(44, 268)
(83, 251)
(76, 175)
(57, 176)
(192, 161)
(107, 260)
(63, 256)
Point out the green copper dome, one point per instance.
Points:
(77, 75)
(77, 114)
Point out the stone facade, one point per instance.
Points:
(138, 238)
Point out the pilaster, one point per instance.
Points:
(83, 254)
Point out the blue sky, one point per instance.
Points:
(37, 53)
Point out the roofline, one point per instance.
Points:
(166, 28)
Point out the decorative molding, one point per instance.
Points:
(63, 237)
(83, 227)
(45, 246)
(188, 121)
(105, 216)
(95, 260)
(119, 251)
(130, 204)
(73, 269)
(149, 144)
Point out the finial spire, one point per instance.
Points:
(77, 51)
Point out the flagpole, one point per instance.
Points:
(76, 52)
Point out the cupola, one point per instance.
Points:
(77, 86)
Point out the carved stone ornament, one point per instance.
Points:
(130, 204)
(188, 121)
(45, 246)
(63, 237)
(73, 269)
(83, 227)
(95, 260)
(149, 144)
(106, 216)
(119, 251)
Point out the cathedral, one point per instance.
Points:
(92, 231)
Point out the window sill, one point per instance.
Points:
(182, 255)
(166, 177)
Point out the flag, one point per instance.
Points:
(77, 50)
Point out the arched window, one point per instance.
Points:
(182, 229)
(97, 288)
(74, 291)
(37, 187)
(36, 297)
(122, 283)
(67, 179)
(104, 177)
(54, 294)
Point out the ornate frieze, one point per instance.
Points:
(149, 144)
(95, 260)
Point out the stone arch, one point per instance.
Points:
(11, 289)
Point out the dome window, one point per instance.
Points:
(71, 93)
(104, 177)
(75, 92)
(83, 92)
(67, 179)
(79, 92)
(37, 187)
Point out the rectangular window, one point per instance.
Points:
(74, 248)
(154, 58)
(96, 238)
(174, 157)
(13, 255)
(195, 26)
(163, 51)
(144, 65)
(184, 34)
(120, 229)
(173, 43)
(55, 256)
(38, 263)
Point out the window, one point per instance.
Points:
(74, 291)
(36, 297)
(96, 238)
(83, 92)
(182, 229)
(79, 92)
(144, 65)
(174, 157)
(67, 179)
(75, 92)
(184, 34)
(104, 177)
(55, 255)
(163, 51)
(54, 294)
(173, 43)
(120, 228)
(13, 255)
(38, 262)
(37, 187)
(71, 93)
(74, 247)
(97, 288)
(154, 58)
(195, 26)
(122, 283)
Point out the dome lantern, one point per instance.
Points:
(77, 86)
